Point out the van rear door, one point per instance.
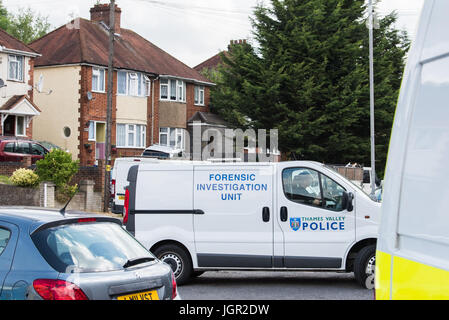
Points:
(236, 229)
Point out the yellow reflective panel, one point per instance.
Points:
(383, 272)
(417, 281)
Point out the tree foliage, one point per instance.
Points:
(307, 74)
(26, 25)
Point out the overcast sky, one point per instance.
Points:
(194, 30)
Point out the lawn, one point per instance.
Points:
(4, 180)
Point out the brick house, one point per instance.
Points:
(17, 109)
(154, 94)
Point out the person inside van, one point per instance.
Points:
(301, 186)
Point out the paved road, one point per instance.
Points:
(236, 285)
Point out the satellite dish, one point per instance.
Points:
(89, 95)
(2, 83)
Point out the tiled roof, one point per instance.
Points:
(9, 42)
(211, 63)
(90, 42)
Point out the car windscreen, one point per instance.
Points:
(88, 247)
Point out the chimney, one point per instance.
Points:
(100, 12)
(236, 42)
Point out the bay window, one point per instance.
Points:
(131, 136)
(133, 84)
(172, 137)
(173, 90)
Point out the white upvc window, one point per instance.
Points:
(16, 68)
(147, 86)
(98, 80)
(133, 84)
(131, 136)
(173, 90)
(92, 131)
(199, 95)
(173, 137)
(122, 82)
(20, 126)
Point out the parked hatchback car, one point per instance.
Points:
(45, 255)
(15, 150)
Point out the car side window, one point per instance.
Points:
(37, 150)
(332, 194)
(23, 147)
(5, 235)
(302, 185)
(9, 147)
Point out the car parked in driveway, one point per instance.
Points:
(46, 255)
(15, 150)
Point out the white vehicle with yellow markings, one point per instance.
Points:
(412, 260)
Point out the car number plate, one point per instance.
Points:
(121, 197)
(146, 295)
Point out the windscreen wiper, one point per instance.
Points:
(136, 261)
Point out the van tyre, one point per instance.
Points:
(364, 265)
(178, 259)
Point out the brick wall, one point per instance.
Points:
(16, 196)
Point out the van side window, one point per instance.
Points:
(332, 194)
(5, 235)
(309, 187)
(302, 185)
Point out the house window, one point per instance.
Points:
(174, 90)
(20, 126)
(98, 80)
(16, 68)
(121, 82)
(92, 134)
(133, 84)
(164, 89)
(131, 136)
(199, 95)
(173, 137)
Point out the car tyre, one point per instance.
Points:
(178, 259)
(364, 265)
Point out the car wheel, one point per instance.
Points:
(364, 267)
(178, 259)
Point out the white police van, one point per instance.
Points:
(199, 216)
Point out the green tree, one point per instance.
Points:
(26, 25)
(307, 75)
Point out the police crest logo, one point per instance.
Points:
(295, 223)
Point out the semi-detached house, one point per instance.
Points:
(17, 109)
(154, 94)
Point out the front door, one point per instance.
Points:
(235, 229)
(9, 126)
(316, 228)
(100, 145)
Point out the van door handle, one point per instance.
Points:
(284, 214)
(266, 214)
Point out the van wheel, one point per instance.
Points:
(364, 266)
(178, 259)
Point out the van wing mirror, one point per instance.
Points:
(347, 204)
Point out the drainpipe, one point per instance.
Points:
(152, 110)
